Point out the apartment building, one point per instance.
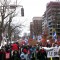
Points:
(44, 24)
(52, 17)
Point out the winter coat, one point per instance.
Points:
(42, 55)
(16, 55)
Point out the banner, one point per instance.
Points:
(52, 52)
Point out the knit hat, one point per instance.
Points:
(25, 50)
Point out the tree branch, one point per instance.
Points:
(15, 27)
(9, 14)
(5, 25)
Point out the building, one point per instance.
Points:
(44, 24)
(31, 29)
(36, 26)
(52, 18)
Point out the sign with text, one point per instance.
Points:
(53, 52)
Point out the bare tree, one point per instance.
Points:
(4, 7)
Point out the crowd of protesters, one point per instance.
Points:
(24, 52)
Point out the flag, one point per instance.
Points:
(54, 35)
(39, 37)
(33, 36)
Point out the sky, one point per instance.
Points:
(32, 8)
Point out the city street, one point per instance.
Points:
(29, 30)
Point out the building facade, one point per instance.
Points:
(52, 17)
(44, 24)
(36, 26)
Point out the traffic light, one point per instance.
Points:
(22, 11)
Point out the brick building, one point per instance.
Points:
(36, 26)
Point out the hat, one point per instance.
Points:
(25, 50)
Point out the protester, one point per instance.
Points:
(42, 55)
(48, 43)
(2, 54)
(37, 52)
(22, 56)
(25, 54)
(7, 55)
(14, 46)
(16, 55)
